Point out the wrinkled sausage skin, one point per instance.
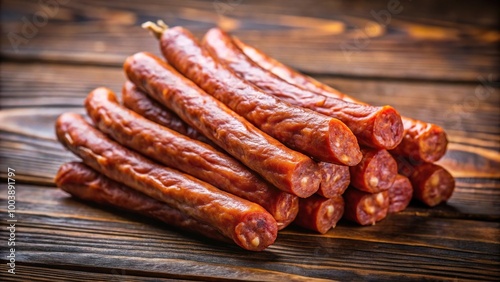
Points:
(246, 223)
(288, 170)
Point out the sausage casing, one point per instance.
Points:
(188, 155)
(286, 169)
(85, 183)
(247, 224)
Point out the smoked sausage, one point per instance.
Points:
(376, 172)
(334, 179)
(187, 155)
(365, 208)
(317, 135)
(85, 183)
(377, 127)
(139, 102)
(288, 170)
(400, 194)
(247, 224)
(319, 214)
(432, 184)
(421, 141)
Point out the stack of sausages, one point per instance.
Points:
(218, 138)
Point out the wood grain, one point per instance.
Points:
(52, 225)
(326, 37)
(435, 60)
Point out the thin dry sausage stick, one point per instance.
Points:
(432, 184)
(319, 214)
(376, 172)
(376, 127)
(288, 170)
(400, 194)
(85, 183)
(314, 134)
(139, 102)
(187, 155)
(421, 141)
(334, 179)
(365, 208)
(247, 224)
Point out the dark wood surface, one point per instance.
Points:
(435, 60)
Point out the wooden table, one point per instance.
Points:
(432, 60)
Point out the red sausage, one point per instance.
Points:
(83, 182)
(376, 172)
(187, 155)
(319, 136)
(377, 127)
(365, 208)
(432, 184)
(320, 214)
(286, 169)
(334, 179)
(246, 223)
(400, 194)
(421, 141)
(139, 102)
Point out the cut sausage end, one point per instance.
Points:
(325, 218)
(285, 210)
(344, 144)
(306, 180)
(438, 188)
(383, 171)
(256, 231)
(432, 144)
(388, 130)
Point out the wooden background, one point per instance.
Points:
(433, 60)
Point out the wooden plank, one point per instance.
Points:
(422, 41)
(56, 231)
